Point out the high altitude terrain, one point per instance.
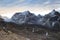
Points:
(28, 26)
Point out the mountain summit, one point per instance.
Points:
(25, 17)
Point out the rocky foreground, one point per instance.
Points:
(24, 34)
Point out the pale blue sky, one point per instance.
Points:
(10, 3)
(35, 6)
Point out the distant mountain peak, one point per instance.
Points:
(26, 12)
(54, 12)
(25, 17)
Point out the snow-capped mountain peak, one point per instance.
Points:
(25, 17)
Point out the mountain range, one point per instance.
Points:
(50, 20)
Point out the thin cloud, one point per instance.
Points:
(9, 3)
(47, 2)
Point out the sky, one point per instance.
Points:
(9, 7)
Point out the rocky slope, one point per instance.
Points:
(10, 32)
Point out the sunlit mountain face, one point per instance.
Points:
(9, 7)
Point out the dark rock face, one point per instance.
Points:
(51, 20)
(25, 17)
